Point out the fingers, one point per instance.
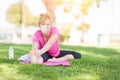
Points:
(34, 53)
(34, 49)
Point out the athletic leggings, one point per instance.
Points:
(76, 55)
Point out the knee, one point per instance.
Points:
(77, 55)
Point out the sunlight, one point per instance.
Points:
(95, 55)
(90, 77)
(2, 50)
(103, 20)
(83, 77)
(8, 72)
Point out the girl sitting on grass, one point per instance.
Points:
(46, 44)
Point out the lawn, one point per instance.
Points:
(95, 64)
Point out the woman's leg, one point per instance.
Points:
(33, 59)
(44, 57)
(65, 56)
(39, 60)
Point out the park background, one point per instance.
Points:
(87, 22)
(90, 27)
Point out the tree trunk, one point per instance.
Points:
(82, 39)
(23, 35)
(50, 5)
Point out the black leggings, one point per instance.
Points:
(76, 55)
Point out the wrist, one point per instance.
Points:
(40, 52)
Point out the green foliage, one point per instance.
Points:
(31, 20)
(95, 64)
(14, 15)
(58, 2)
(85, 5)
(64, 32)
(86, 26)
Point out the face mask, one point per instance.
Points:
(44, 29)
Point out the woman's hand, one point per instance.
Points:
(33, 52)
(38, 53)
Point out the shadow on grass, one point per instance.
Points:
(79, 70)
(94, 50)
(39, 72)
(88, 65)
(8, 61)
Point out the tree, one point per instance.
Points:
(86, 27)
(51, 5)
(20, 15)
(86, 4)
(14, 15)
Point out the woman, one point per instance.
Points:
(46, 44)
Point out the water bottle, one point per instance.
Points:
(11, 53)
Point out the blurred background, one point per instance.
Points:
(80, 22)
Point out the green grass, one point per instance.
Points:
(95, 64)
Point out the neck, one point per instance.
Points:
(45, 34)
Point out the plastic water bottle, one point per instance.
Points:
(11, 53)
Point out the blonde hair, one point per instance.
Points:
(43, 17)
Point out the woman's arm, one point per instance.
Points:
(35, 46)
(49, 43)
